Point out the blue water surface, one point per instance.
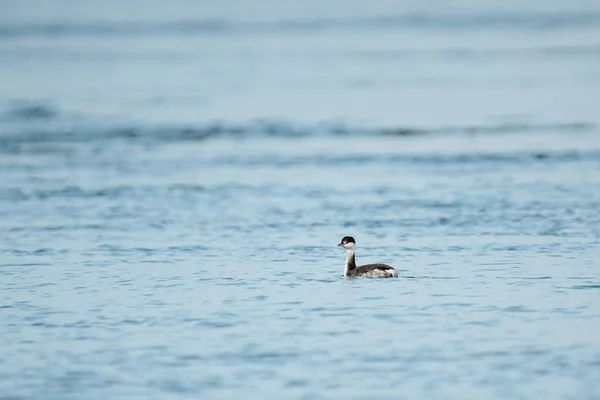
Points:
(175, 177)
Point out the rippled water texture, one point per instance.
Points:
(175, 179)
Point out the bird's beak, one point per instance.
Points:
(341, 244)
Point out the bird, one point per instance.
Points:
(369, 270)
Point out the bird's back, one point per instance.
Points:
(374, 271)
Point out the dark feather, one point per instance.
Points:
(363, 269)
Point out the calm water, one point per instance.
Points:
(175, 179)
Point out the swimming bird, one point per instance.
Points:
(369, 270)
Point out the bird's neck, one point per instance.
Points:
(350, 261)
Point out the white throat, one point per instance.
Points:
(350, 259)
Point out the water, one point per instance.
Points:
(175, 180)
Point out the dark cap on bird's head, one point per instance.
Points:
(346, 240)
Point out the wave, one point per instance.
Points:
(489, 157)
(23, 125)
(39, 123)
(458, 52)
(85, 133)
(415, 21)
(28, 111)
(512, 127)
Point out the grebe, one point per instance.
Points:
(369, 270)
